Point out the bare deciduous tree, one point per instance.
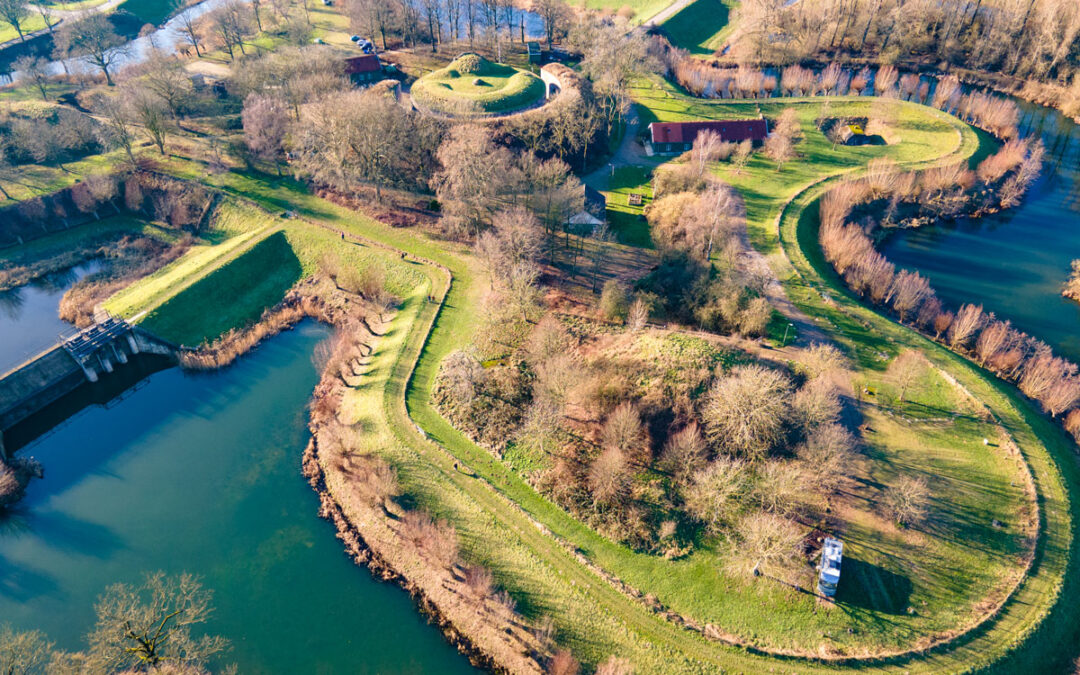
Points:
(746, 412)
(150, 624)
(713, 492)
(94, 38)
(907, 501)
(770, 542)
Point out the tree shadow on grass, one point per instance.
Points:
(871, 587)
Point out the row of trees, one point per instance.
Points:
(1035, 39)
(995, 114)
(435, 22)
(994, 343)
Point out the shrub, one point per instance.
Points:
(472, 64)
(614, 301)
(907, 501)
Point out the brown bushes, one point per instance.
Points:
(128, 259)
(15, 474)
(1015, 356)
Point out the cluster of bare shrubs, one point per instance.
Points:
(51, 135)
(15, 474)
(179, 203)
(908, 199)
(94, 192)
(125, 260)
(694, 219)
(650, 457)
(1015, 356)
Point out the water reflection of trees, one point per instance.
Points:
(58, 281)
(11, 303)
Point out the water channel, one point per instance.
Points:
(1014, 262)
(201, 474)
(169, 35)
(29, 322)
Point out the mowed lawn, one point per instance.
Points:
(701, 27)
(244, 265)
(627, 221)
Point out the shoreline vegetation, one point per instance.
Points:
(420, 554)
(1009, 354)
(1071, 288)
(949, 464)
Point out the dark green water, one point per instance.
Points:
(1015, 262)
(202, 474)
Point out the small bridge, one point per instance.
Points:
(78, 358)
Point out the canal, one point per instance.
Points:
(1014, 262)
(201, 474)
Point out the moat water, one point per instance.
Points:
(1015, 262)
(201, 474)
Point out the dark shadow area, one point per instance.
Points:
(100, 393)
(871, 587)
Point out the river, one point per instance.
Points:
(1014, 262)
(201, 474)
(169, 35)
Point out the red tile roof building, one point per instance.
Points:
(676, 137)
(363, 69)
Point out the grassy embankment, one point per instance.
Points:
(471, 84)
(528, 564)
(247, 263)
(702, 27)
(1039, 622)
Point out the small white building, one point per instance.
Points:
(832, 554)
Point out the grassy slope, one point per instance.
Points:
(701, 27)
(234, 294)
(807, 279)
(591, 616)
(505, 89)
(250, 260)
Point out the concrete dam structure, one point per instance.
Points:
(87, 357)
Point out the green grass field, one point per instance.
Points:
(595, 619)
(244, 265)
(474, 85)
(702, 27)
(234, 294)
(628, 222)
